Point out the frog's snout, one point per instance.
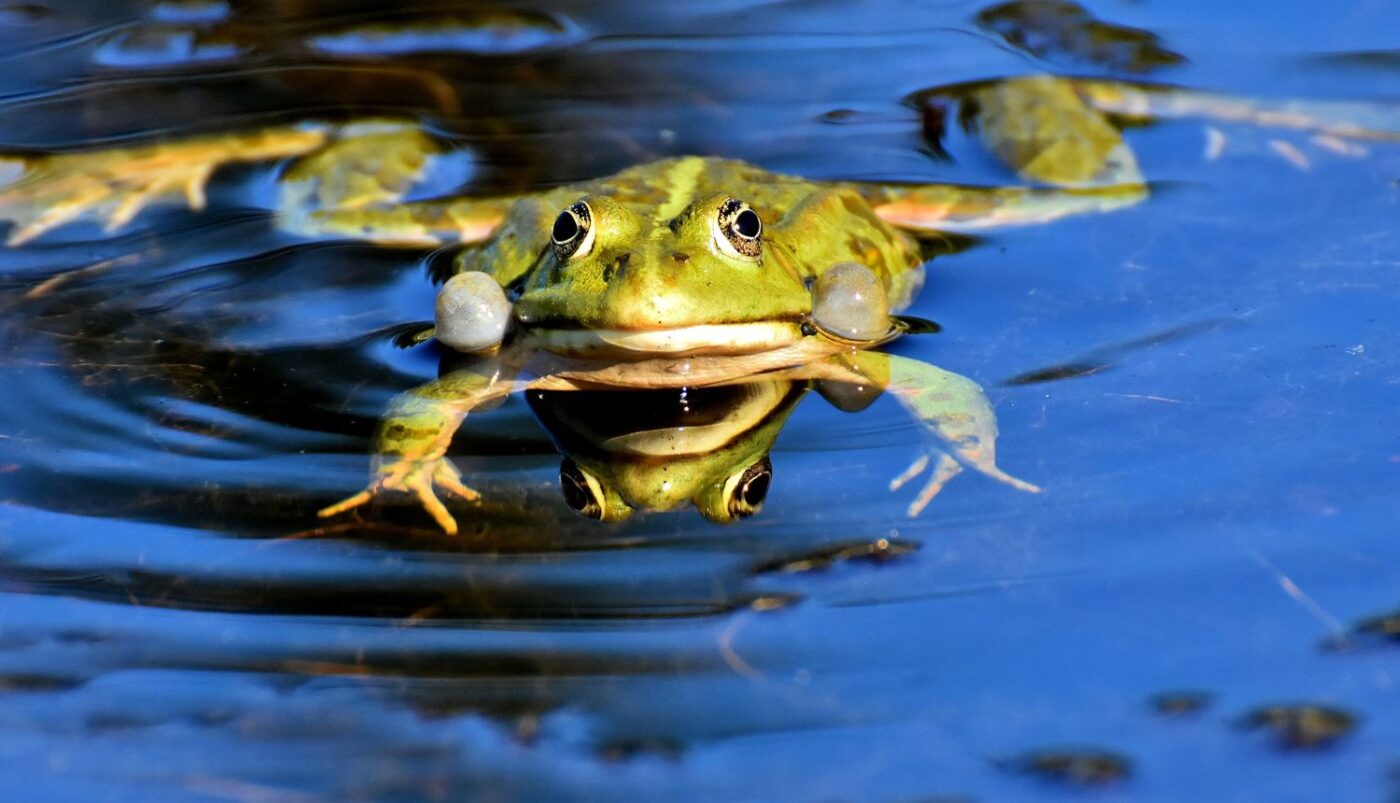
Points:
(621, 265)
(650, 289)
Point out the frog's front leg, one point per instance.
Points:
(849, 305)
(950, 407)
(953, 408)
(412, 441)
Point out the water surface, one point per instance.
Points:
(1203, 383)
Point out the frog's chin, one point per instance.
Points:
(680, 341)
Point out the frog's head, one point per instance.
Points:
(723, 489)
(616, 281)
(662, 450)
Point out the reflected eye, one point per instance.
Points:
(750, 489)
(747, 225)
(581, 492)
(739, 228)
(572, 234)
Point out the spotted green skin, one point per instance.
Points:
(656, 265)
(655, 262)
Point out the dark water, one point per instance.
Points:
(1205, 385)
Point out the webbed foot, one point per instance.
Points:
(954, 410)
(52, 191)
(1298, 152)
(418, 477)
(114, 185)
(951, 409)
(945, 468)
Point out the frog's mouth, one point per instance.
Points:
(721, 338)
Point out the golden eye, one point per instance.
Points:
(739, 229)
(749, 488)
(572, 234)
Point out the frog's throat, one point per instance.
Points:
(724, 338)
(760, 401)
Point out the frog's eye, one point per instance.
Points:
(738, 229)
(582, 493)
(572, 234)
(747, 489)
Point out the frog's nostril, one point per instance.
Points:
(617, 269)
(680, 258)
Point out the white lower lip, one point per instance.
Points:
(727, 338)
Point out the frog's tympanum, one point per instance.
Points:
(678, 275)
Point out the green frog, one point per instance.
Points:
(663, 449)
(662, 276)
(688, 272)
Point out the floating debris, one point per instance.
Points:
(1069, 370)
(1302, 727)
(840, 116)
(881, 550)
(1177, 704)
(1385, 626)
(1379, 630)
(773, 602)
(1106, 357)
(1073, 766)
(1052, 28)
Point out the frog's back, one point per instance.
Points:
(665, 187)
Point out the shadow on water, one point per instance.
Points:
(1191, 380)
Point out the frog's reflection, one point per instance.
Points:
(695, 429)
(657, 450)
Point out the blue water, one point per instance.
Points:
(1221, 495)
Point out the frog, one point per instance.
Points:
(680, 273)
(659, 450)
(658, 278)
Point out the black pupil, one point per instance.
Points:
(565, 227)
(576, 492)
(756, 489)
(747, 224)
